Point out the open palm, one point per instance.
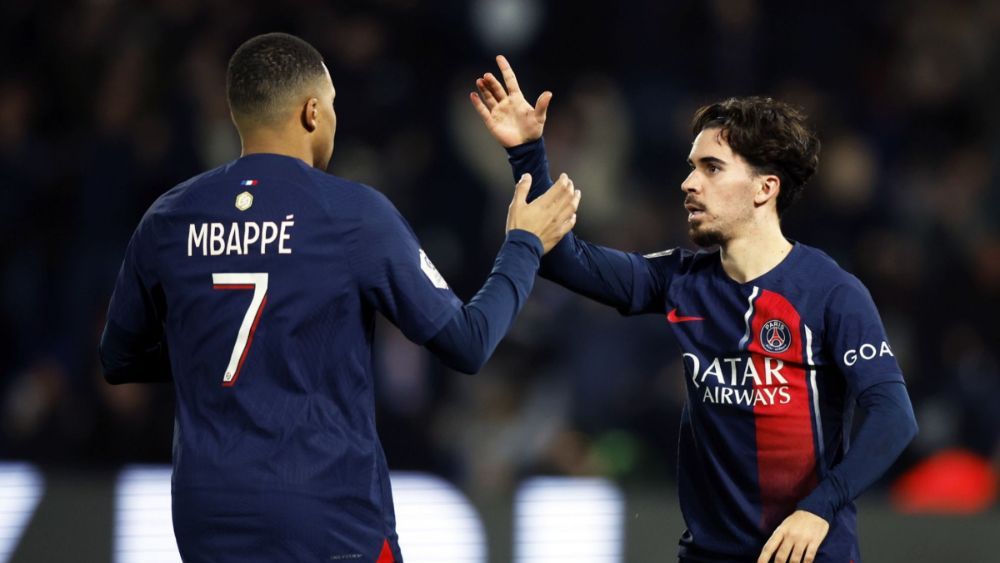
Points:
(506, 113)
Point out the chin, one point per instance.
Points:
(705, 237)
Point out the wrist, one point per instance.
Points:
(527, 238)
(817, 506)
(525, 147)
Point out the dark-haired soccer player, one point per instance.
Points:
(256, 285)
(779, 343)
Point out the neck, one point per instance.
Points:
(755, 252)
(276, 141)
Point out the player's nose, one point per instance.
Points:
(690, 184)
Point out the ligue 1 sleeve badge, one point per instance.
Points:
(431, 272)
(775, 336)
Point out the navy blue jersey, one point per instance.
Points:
(263, 277)
(772, 369)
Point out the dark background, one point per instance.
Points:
(106, 104)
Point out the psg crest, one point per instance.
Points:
(775, 336)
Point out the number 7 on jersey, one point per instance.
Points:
(258, 283)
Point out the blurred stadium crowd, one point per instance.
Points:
(105, 104)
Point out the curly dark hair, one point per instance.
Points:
(266, 71)
(770, 135)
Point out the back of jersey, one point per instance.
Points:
(268, 343)
(262, 278)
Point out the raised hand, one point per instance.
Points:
(550, 216)
(506, 113)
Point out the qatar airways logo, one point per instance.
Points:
(737, 381)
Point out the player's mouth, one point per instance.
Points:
(695, 210)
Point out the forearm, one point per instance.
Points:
(128, 358)
(469, 339)
(602, 274)
(887, 429)
(531, 158)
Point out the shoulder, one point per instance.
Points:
(182, 194)
(340, 195)
(174, 201)
(371, 225)
(837, 284)
(700, 261)
(682, 260)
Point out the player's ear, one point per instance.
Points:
(767, 189)
(310, 114)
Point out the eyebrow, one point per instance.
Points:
(709, 160)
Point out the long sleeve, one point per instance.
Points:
(131, 358)
(888, 427)
(132, 348)
(630, 282)
(469, 338)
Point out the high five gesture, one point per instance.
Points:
(506, 113)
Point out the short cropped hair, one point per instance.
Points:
(770, 135)
(266, 73)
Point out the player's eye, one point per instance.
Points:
(713, 169)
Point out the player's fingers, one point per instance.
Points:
(480, 107)
(798, 550)
(784, 550)
(487, 96)
(521, 189)
(508, 75)
(571, 208)
(494, 86)
(559, 190)
(572, 192)
(811, 553)
(568, 225)
(542, 106)
(769, 548)
(569, 205)
(566, 204)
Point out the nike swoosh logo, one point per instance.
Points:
(673, 318)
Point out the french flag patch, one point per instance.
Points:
(248, 183)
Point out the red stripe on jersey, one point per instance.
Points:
(233, 286)
(385, 556)
(243, 356)
(786, 452)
